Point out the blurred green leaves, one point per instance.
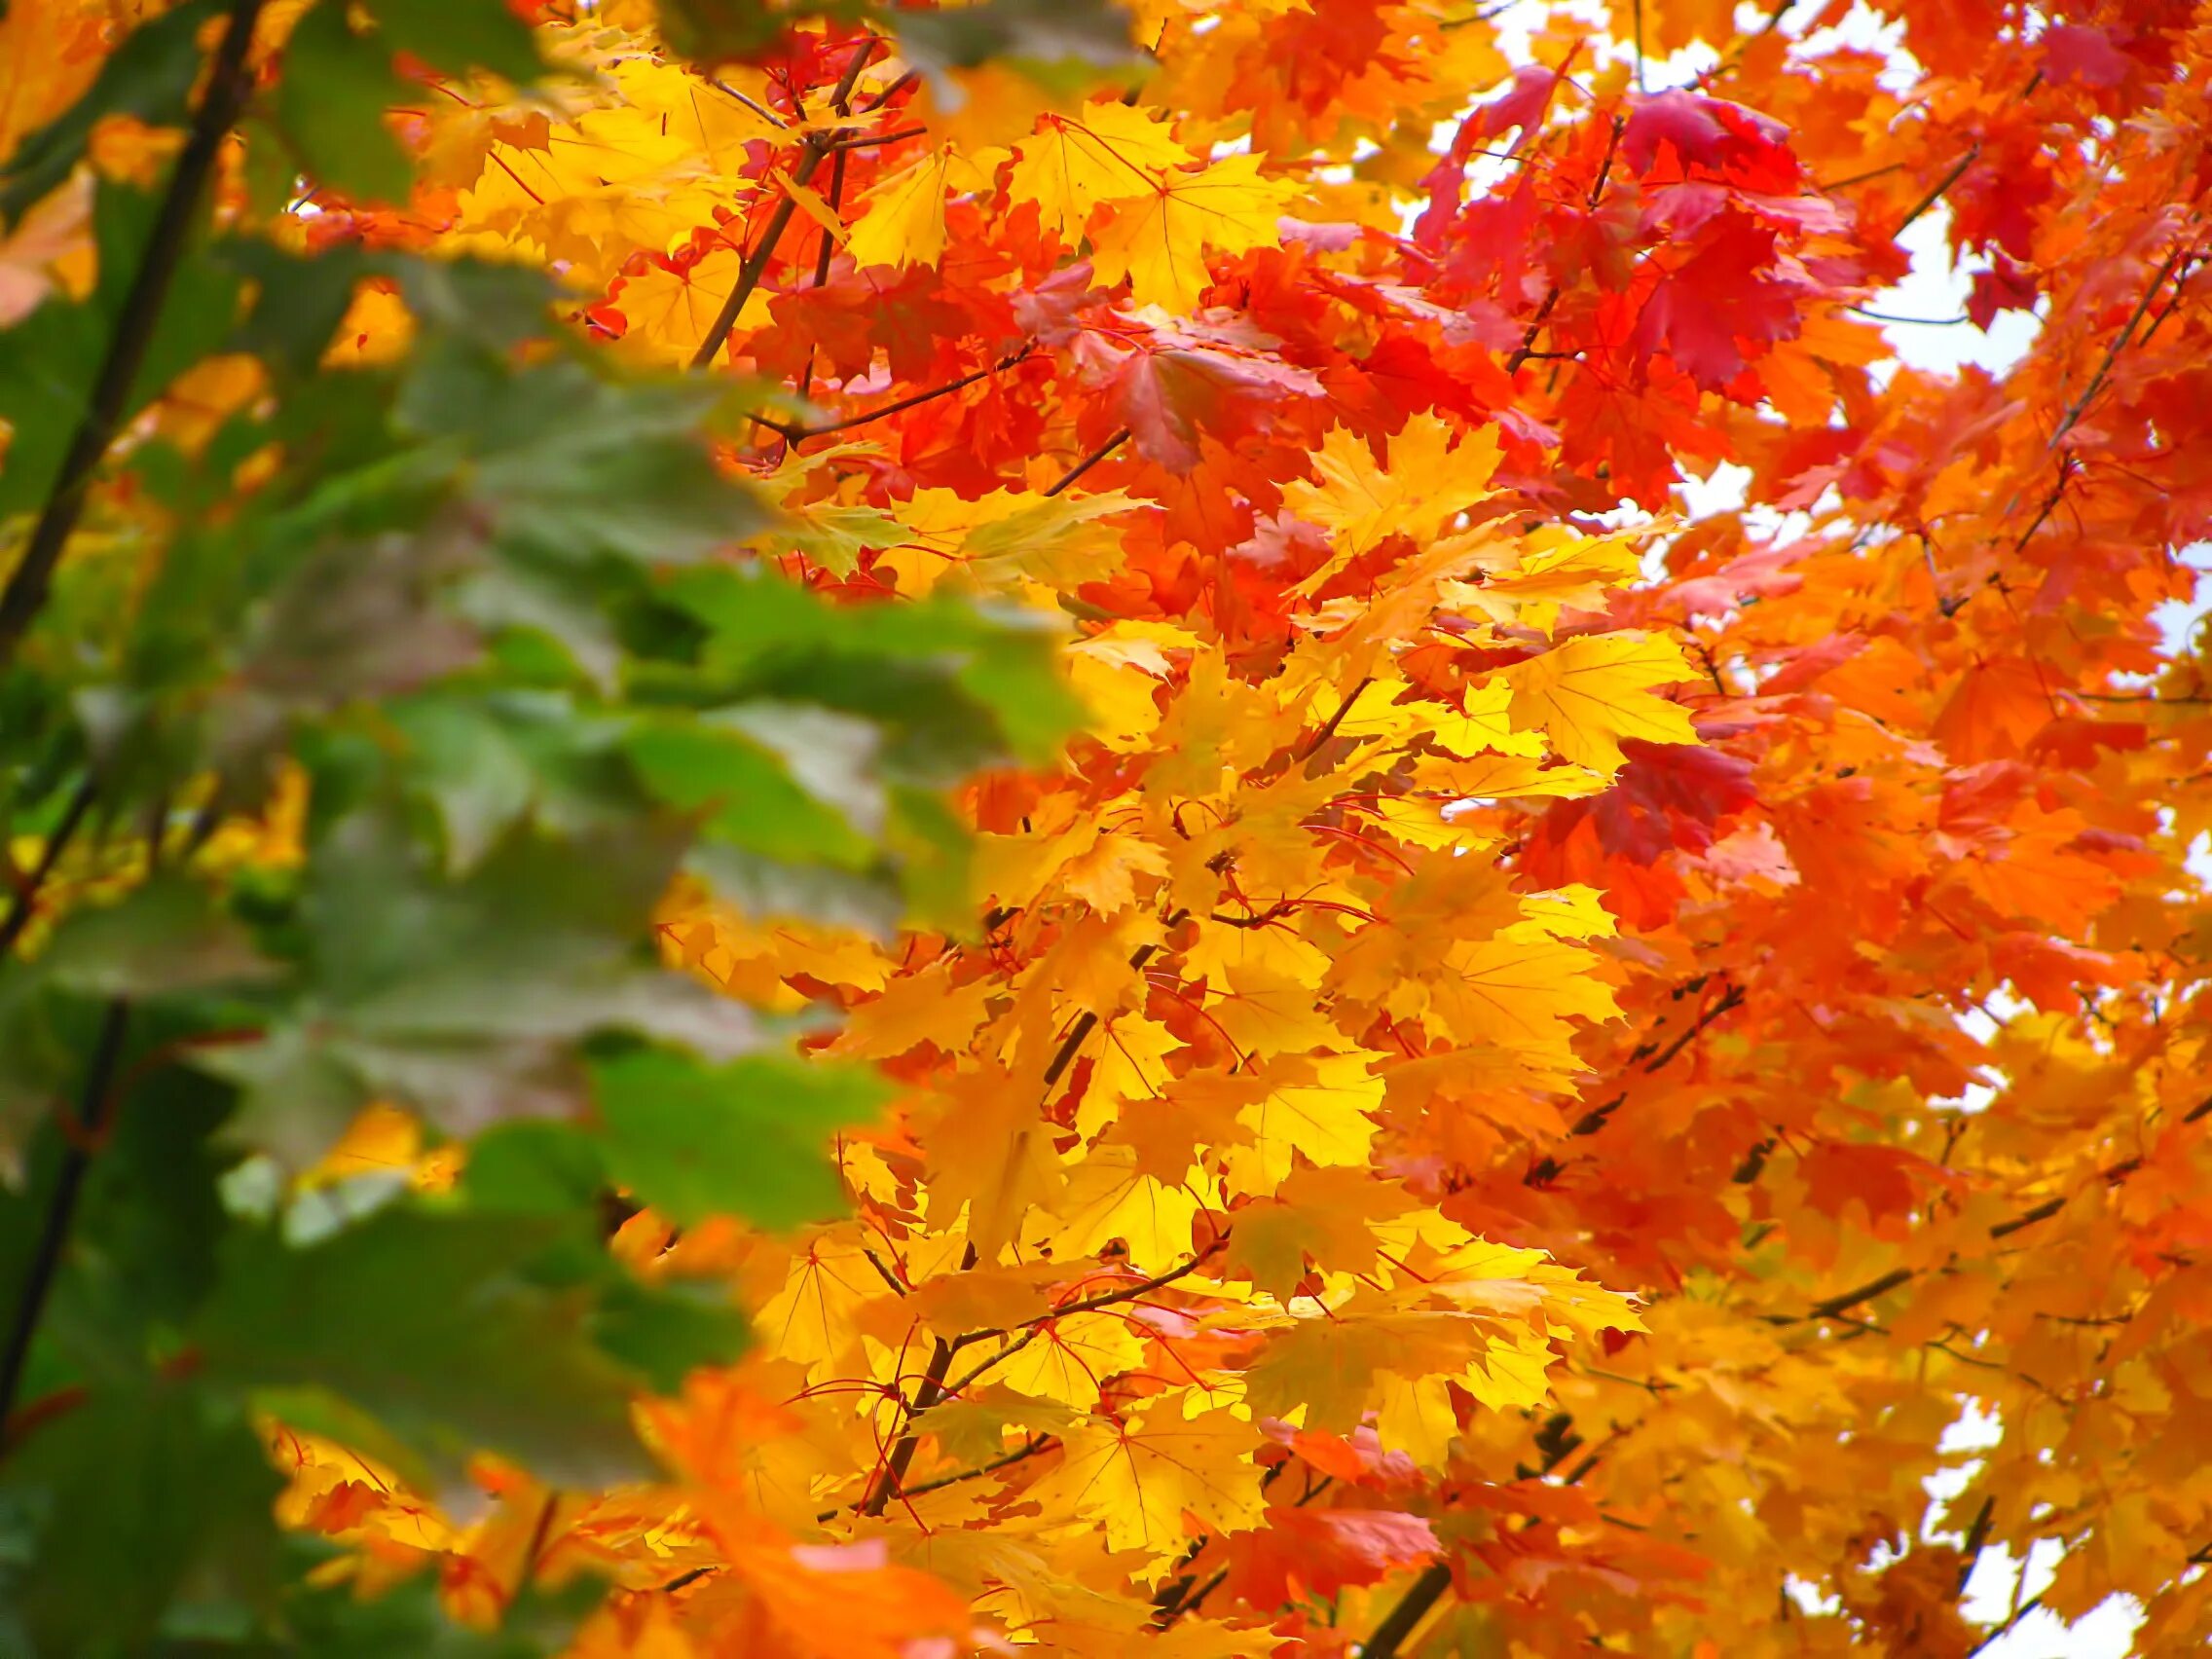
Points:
(482, 609)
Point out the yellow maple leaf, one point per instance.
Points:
(993, 1155)
(811, 1320)
(1159, 240)
(1590, 692)
(915, 1009)
(1425, 484)
(1106, 152)
(1504, 777)
(1265, 1011)
(1138, 1478)
(1560, 569)
(903, 219)
(669, 311)
(1321, 1370)
(1319, 1109)
(1108, 1197)
(1517, 993)
(1069, 1359)
(710, 121)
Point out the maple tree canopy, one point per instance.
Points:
(844, 830)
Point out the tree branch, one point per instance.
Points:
(1313, 745)
(812, 149)
(897, 406)
(1413, 1606)
(1090, 461)
(61, 1206)
(2075, 408)
(1958, 171)
(1088, 1022)
(1131, 1292)
(886, 1484)
(24, 905)
(25, 593)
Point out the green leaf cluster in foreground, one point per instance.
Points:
(479, 608)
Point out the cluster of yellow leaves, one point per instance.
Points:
(1141, 1225)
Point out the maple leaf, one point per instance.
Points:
(1318, 1110)
(1426, 483)
(1000, 1164)
(1722, 298)
(1109, 152)
(668, 305)
(1138, 1477)
(1385, 903)
(1159, 242)
(1590, 692)
(903, 220)
(1319, 1552)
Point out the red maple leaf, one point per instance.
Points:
(1723, 296)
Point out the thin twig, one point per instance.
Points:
(61, 1208)
(1090, 461)
(24, 905)
(1313, 745)
(1088, 1022)
(1958, 170)
(1413, 1606)
(812, 149)
(885, 1487)
(2079, 405)
(26, 594)
(870, 140)
(897, 406)
(1036, 1444)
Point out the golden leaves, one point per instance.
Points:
(902, 222)
(1159, 241)
(1589, 692)
(1138, 1478)
(1110, 153)
(1162, 208)
(1425, 484)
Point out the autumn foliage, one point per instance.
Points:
(1343, 1021)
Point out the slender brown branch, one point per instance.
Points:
(1860, 177)
(966, 1378)
(1527, 346)
(870, 140)
(1844, 1300)
(2011, 1619)
(1088, 1022)
(1413, 1606)
(24, 905)
(1036, 1444)
(1977, 1535)
(1734, 999)
(761, 110)
(2028, 1218)
(1313, 745)
(1090, 461)
(2075, 408)
(813, 148)
(1130, 1291)
(142, 305)
(1191, 1603)
(62, 1205)
(1958, 171)
(888, 1277)
(899, 406)
(891, 92)
(886, 1484)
